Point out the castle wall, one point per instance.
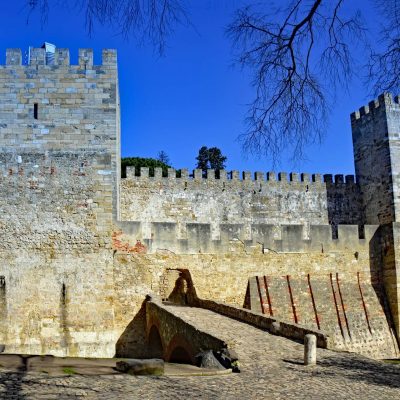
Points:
(73, 277)
(58, 183)
(224, 277)
(264, 200)
(76, 104)
(193, 238)
(56, 255)
(348, 308)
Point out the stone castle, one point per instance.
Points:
(81, 248)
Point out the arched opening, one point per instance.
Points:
(180, 351)
(180, 355)
(155, 343)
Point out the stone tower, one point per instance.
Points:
(59, 157)
(376, 142)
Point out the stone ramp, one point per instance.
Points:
(347, 308)
(194, 329)
(229, 331)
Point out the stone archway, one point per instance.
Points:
(180, 351)
(155, 345)
(180, 356)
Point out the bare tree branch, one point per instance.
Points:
(147, 20)
(292, 54)
(384, 65)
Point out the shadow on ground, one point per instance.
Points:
(360, 369)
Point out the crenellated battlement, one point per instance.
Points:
(37, 58)
(210, 238)
(234, 176)
(385, 99)
(239, 197)
(50, 104)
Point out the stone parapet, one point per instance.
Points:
(143, 174)
(275, 326)
(199, 238)
(37, 57)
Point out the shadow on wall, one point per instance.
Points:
(179, 294)
(184, 292)
(344, 205)
(180, 351)
(382, 256)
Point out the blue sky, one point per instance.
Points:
(191, 97)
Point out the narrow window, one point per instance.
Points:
(35, 110)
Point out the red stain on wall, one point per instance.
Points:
(118, 244)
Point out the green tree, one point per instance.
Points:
(202, 159)
(139, 162)
(210, 158)
(163, 157)
(216, 159)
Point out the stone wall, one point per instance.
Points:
(376, 132)
(58, 162)
(195, 238)
(267, 199)
(224, 278)
(351, 309)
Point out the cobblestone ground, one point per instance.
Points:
(271, 369)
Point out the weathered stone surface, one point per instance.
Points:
(271, 368)
(141, 367)
(346, 308)
(234, 201)
(59, 156)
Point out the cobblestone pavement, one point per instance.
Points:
(271, 369)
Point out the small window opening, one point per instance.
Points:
(35, 110)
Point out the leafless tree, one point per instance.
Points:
(296, 54)
(384, 65)
(152, 20)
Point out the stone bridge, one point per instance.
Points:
(177, 333)
(174, 337)
(179, 329)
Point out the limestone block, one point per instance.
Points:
(152, 366)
